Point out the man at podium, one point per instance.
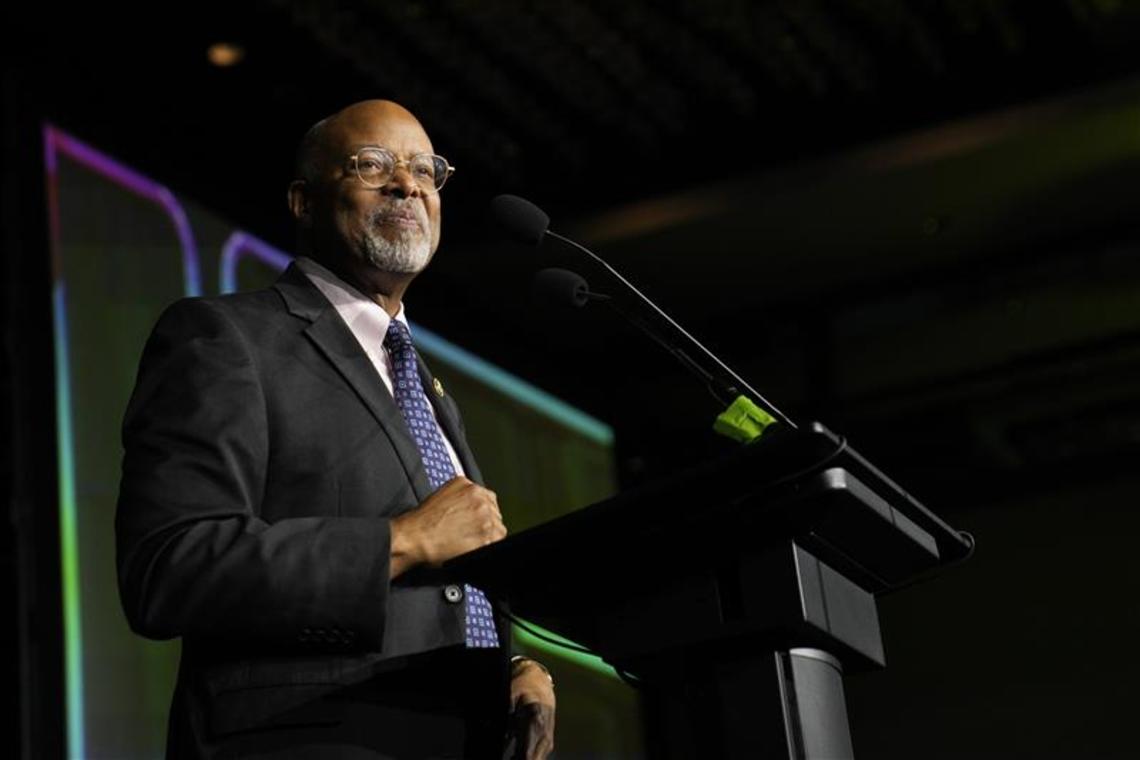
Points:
(293, 478)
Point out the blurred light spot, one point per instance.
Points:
(225, 54)
(650, 217)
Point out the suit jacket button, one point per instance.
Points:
(452, 593)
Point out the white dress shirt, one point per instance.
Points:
(369, 324)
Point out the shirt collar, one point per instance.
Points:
(364, 317)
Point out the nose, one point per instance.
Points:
(401, 184)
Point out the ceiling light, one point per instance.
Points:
(224, 54)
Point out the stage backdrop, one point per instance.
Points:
(124, 247)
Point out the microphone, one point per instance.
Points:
(570, 289)
(564, 287)
(521, 219)
(528, 224)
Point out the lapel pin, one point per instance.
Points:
(438, 387)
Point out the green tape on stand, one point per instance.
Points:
(743, 421)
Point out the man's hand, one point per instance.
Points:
(532, 710)
(460, 517)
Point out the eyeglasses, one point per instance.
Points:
(375, 167)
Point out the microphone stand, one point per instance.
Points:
(733, 387)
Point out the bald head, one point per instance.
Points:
(375, 235)
(324, 139)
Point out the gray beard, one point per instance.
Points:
(407, 254)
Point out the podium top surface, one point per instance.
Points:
(780, 458)
(807, 487)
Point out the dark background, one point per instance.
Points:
(916, 221)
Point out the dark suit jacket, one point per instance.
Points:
(263, 460)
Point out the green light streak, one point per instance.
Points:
(509, 385)
(588, 661)
(68, 534)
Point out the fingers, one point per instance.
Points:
(537, 731)
(472, 490)
(494, 531)
(485, 505)
(459, 517)
(457, 483)
(492, 527)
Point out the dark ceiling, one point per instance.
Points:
(580, 103)
(849, 199)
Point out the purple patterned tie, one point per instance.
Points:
(413, 403)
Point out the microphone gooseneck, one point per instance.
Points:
(529, 224)
(568, 288)
(740, 384)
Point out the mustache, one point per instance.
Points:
(401, 210)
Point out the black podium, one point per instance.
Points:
(737, 593)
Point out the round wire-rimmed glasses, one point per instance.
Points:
(375, 166)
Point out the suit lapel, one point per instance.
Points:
(335, 341)
(448, 418)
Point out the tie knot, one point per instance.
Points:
(397, 337)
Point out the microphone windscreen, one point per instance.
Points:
(561, 286)
(521, 219)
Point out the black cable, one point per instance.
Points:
(709, 381)
(839, 449)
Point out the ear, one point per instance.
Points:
(299, 202)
